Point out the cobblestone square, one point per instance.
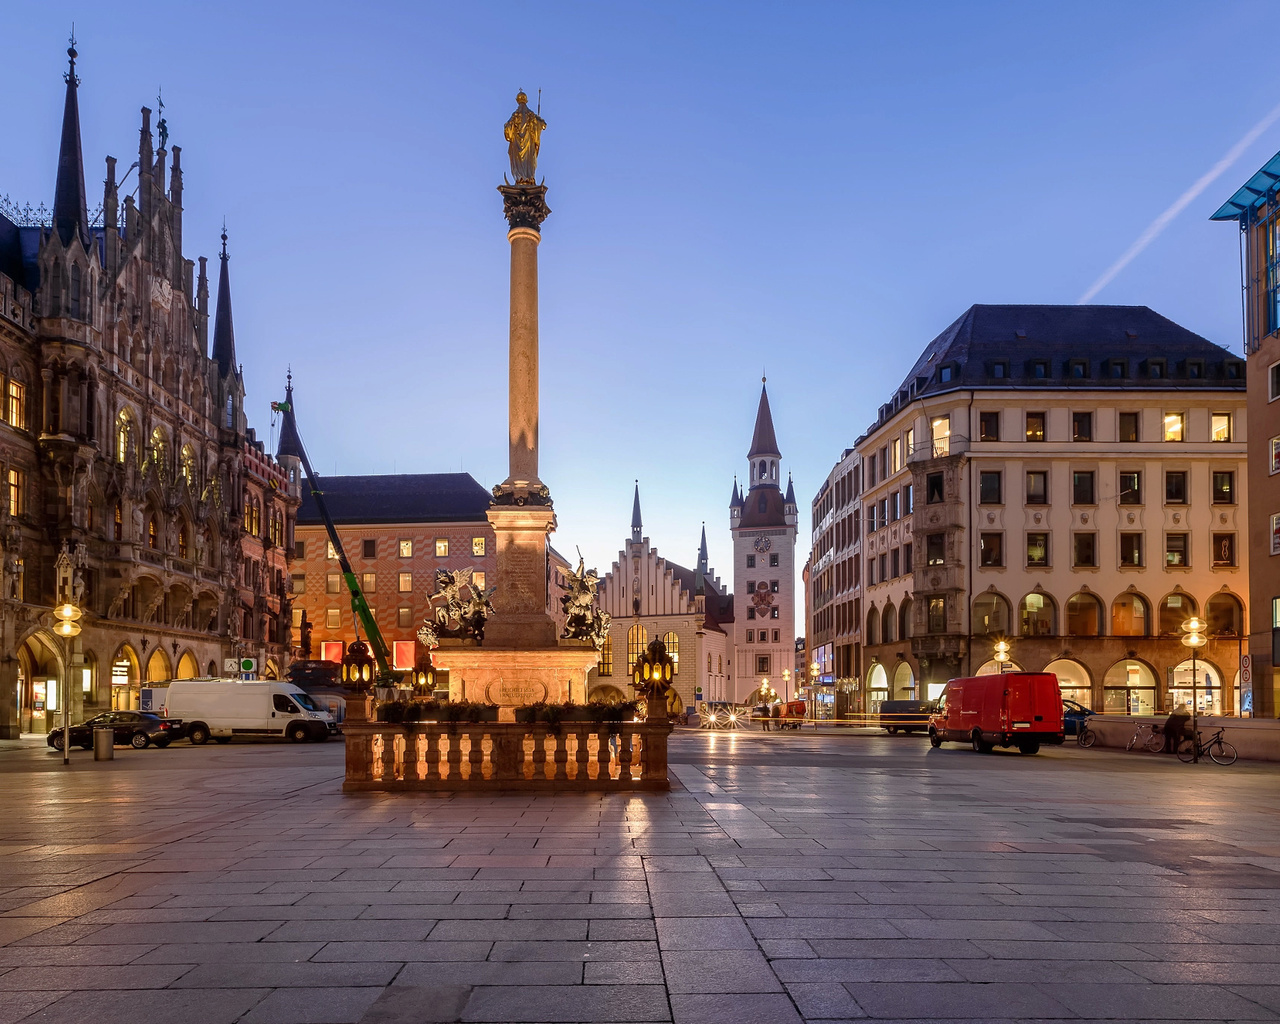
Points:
(786, 877)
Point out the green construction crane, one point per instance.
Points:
(359, 606)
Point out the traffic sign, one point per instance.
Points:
(1246, 669)
(230, 665)
(248, 664)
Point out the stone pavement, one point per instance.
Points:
(785, 878)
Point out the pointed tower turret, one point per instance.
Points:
(290, 445)
(70, 203)
(636, 527)
(703, 560)
(289, 450)
(764, 454)
(227, 383)
(224, 337)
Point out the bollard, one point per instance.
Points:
(104, 743)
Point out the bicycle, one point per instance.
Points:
(1147, 735)
(1193, 748)
(1085, 736)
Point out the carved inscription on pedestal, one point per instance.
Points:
(521, 573)
(512, 693)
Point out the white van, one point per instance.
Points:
(222, 708)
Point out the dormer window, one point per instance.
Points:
(1195, 369)
(1155, 369)
(1000, 371)
(1231, 369)
(1077, 369)
(1038, 369)
(946, 374)
(1117, 369)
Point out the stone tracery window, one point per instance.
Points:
(637, 640)
(672, 643)
(124, 435)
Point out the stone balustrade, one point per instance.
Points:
(463, 757)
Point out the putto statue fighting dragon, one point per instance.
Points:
(461, 608)
(583, 620)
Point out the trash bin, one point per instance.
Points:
(104, 743)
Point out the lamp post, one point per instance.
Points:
(786, 682)
(68, 614)
(1001, 654)
(357, 665)
(1193, 637)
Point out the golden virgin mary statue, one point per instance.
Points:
(523, 132)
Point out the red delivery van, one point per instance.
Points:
(1014, 709)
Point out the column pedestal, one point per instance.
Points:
(520, 619)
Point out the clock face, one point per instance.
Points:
(763, 543)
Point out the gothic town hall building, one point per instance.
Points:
(123, 439)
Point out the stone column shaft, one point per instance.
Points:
(523, 358)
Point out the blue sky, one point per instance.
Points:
(812, 189)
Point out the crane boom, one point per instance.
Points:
(359, 606)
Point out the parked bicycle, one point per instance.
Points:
(1146, 736)
(1193, 748)
(1086, 736)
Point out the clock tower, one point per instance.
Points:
(763, 522)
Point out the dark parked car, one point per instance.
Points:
(1073, 713)
(907, 715)
(138, 729)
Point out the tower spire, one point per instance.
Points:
(290, 445)
(703, 559)
(70, 204)
(763, 441)
(224, 338)
(636, 528)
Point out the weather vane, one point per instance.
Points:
(70, 76)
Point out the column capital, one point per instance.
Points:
(524, 206)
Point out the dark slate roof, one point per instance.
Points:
(773, 515)
(399, 498)
(1082, 346)
(763, 441)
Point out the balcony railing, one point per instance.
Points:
(939, 448)
(506, 755)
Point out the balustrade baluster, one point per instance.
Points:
(389, 753)
(475, 755)
(625, 734)
(583, 754)
(539, 755)
(454, 756)
(561, 756)
(604, 753)
(433, 753)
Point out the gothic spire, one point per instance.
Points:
(290, 443)
(791, 492)
(636, 528)
(224, 338)
(735, 500)
(763, 441)
(702, 554)
(70, 203)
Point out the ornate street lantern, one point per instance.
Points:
(1001, 653)
(358, 666)
(651, 679)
